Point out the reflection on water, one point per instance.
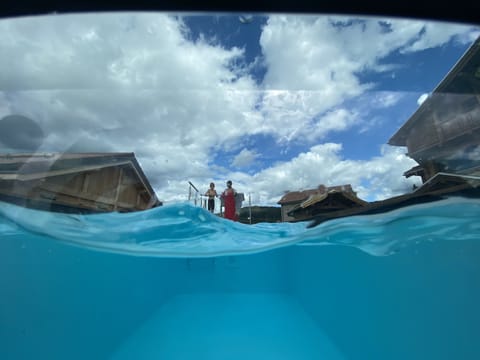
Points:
(282, 300)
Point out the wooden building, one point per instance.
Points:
(306, 204)
(76, 182)
(438, 187)
(443, 135)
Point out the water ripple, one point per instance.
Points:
(183, 230)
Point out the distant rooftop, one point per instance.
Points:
(299, 196)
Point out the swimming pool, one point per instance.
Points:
(377, 291)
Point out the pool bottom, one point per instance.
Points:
(229, 326)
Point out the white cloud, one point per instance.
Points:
(374, 179)
(313, 64)
(308, 72)
(330, 121)
(432, 34)
(126, 82)
(135, 82)
(245, 158)
(421, 99)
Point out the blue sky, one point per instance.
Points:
(277, 103)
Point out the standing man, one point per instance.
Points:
(212, 194)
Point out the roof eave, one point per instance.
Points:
(401, 135)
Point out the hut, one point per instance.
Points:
(76, 182)
(443, 135)
(306, 204)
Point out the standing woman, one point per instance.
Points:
(228, 197)
(211, 193)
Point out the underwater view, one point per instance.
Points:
(177, 282)
(238, 186)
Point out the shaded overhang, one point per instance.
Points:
(462, 79)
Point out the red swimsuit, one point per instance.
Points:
(229, 201)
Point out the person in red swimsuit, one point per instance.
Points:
(228, 197)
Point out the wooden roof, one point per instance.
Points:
(296, 196)
(303, 195)
(317, 198)
(69, 181)
(463, 79)
(25, 166)
(331, 201)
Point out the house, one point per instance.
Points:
(306, 204)
(438, 187)
(76, 182)
(443, 135)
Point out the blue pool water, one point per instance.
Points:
(176, 282)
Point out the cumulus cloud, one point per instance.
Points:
(375, 179)
(126, 82)
(313, 65)
(137, 82)
(432, 34)
(245, 158)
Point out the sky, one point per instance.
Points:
(274, 103)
